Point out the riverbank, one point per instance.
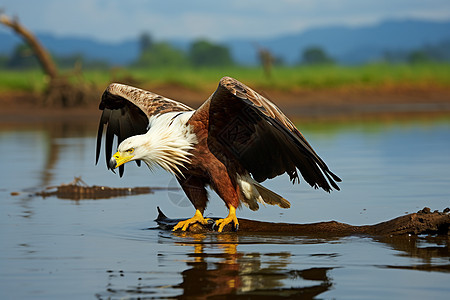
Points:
(306, 104)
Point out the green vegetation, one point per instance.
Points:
(206, 54)
(202, 53)
(28, 81)
(316, 56)
(203, 63)
(283, 78)
(158, 55)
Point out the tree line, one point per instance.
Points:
(205, 53)
(201, 53)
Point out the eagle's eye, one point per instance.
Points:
(130, 151)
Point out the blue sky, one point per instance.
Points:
(117, 20)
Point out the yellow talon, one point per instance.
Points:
(198, 217)
(230, 218)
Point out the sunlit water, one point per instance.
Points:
(110, 249)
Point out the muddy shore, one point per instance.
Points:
(340, 103)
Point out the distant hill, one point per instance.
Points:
(114, 53)
(348, 45)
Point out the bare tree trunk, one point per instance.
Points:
(42, 54)
(266, 58)
(60, 90)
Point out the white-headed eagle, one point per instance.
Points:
(232, 142)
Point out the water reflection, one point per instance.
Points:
(431, 252)
(49, 141)
(57, 137)
(246, 275)
(215, 268)
(205, 278)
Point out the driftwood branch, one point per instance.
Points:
(422, 222)
(79, 190)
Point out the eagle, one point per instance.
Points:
(234, 141)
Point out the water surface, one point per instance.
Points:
(110, 249)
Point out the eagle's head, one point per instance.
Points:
(167, 144)
(133, 148)
(156, 148)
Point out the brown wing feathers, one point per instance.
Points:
(271, 145)
(243, 126)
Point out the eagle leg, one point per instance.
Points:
(198, 217)
(230, 218)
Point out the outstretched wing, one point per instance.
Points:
(247, 127)
(126, 112)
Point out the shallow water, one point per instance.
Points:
(109, 249)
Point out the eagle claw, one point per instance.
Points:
(230, 218)
(198, 217)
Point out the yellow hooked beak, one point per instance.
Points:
(119, 159)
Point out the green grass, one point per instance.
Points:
(28, 81)
(282, 78)
(305, 77)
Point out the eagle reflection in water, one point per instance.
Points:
(215, 268)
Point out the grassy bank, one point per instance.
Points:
(282, 78)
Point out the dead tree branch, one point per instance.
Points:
(42, 54)
(60, 90)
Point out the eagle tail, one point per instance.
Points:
(270, 197)
(252, 192)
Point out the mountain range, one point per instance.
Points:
(349, 45)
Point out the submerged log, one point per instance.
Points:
(79, 190)
(422, 222)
